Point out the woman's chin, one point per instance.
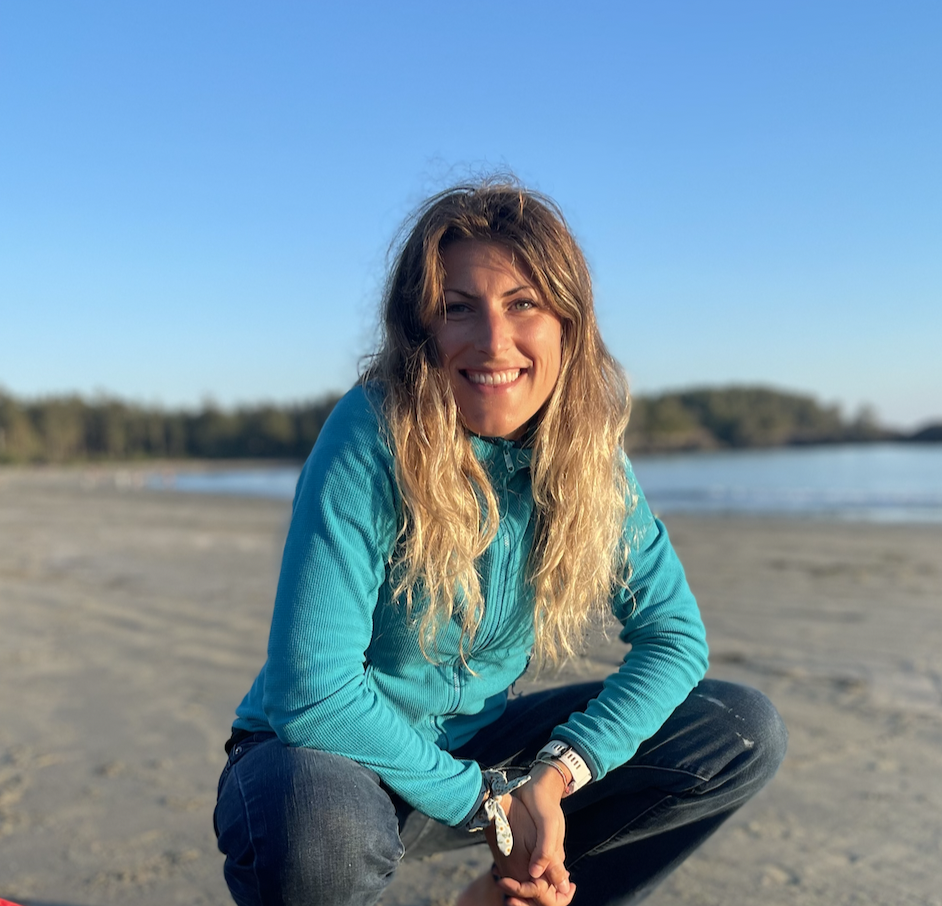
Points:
(509, 428)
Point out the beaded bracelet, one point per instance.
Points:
(553, 763)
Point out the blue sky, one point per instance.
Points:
(196, 198)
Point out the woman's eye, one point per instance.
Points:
(524, 304)
(456, 308)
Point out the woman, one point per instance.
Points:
(467, 507)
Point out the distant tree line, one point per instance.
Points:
(743, 417)
(65, 429)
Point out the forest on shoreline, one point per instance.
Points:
(70, 428)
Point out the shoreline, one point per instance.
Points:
(712, 487)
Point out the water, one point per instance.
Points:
(275, 482)
(867, 483)
(870, 483)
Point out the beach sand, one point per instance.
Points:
(132, 621)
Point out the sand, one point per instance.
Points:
(132, 621)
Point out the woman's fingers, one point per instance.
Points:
(558, 877)
(547, 860)
(524, 890)
(547, 856)
(534, 893)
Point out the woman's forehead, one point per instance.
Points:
(490, 254)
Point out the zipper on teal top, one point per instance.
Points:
(501, 550)
(456, 680)
(500, 571)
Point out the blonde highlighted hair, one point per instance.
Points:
(450, 510)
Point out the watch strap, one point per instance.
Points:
(563, 752)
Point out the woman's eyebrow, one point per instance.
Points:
(467, 295)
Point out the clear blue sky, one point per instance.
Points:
(196, 197)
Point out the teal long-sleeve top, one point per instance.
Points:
(345, 673)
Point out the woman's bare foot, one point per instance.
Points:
(483, 891)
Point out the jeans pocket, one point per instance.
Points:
(246, 744)
(236, 754)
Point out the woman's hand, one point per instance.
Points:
(534, 872)
(542, 893)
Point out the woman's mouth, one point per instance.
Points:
(493, 378)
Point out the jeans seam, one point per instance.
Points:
(252, 838)
(595, 849)
(653, 767)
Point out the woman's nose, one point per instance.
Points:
(493, 332)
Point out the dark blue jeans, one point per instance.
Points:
(299, 826)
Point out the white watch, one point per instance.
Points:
(556, 750)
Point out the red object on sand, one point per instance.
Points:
(8, 903)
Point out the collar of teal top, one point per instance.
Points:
(501, 456)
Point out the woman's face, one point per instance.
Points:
(498, 340)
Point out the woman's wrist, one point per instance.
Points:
(564, 758)
(552, 777)
(495, 806)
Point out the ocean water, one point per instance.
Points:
(871, 483)
(277, 482)
(868, 483)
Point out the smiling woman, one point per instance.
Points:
(491, 276)
(467, 508)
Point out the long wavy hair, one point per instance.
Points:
(450, 511)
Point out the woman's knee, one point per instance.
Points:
(342, 822)
(301, 826)
(754, 726)
(763, 722)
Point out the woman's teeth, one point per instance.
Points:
(493, 378)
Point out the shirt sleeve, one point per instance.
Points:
(668, 656)
(316, 694)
